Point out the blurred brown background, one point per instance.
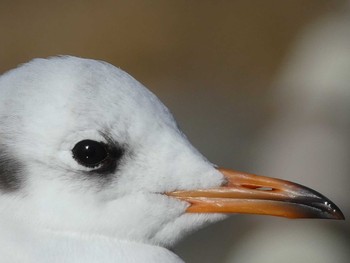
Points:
(227, 70)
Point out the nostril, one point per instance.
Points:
(259, 188)
(264, 189)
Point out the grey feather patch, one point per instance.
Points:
(10, 172)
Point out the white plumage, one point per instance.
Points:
(54, 210)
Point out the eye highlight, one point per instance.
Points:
(90, 153)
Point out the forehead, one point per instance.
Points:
(72, 92)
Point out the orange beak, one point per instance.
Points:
(252, 194)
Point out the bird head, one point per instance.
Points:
(86, 149)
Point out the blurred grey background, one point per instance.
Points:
(259, 86)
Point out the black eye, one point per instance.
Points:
(90, 153)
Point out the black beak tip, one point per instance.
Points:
(323, 208)
(335, 211)
(316, 205)
(329, 209)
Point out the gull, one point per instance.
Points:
(93, 168)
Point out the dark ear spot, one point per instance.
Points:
(10, 172)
